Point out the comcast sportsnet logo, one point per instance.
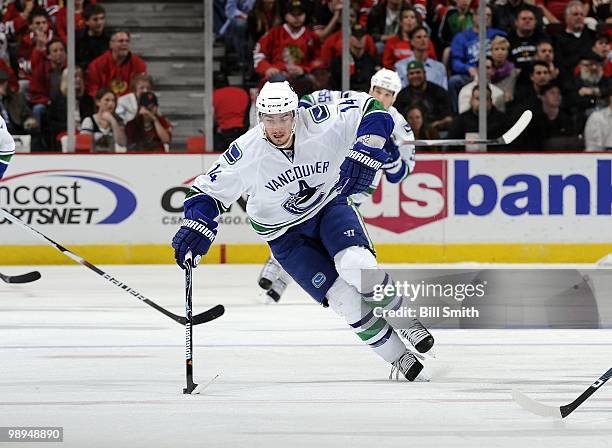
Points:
(420, 199)
(64, 196)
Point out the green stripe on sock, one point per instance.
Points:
(373, 330)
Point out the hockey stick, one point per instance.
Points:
(213, 313)
(23, 278)
(188, 326)
(505, 139)
(558, 411)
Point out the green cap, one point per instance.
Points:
(415, 64)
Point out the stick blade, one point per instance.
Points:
(208, 315)
(518, 127)
(23, 278)
(535, 407)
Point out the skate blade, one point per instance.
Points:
(433, 368)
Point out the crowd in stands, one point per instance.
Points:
(116, 109)
(550, 56)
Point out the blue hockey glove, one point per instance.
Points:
(196, 235)
(359, 168)
(395, 168)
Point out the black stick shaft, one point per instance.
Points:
(189, 325)
(205, 316)
(569, 408)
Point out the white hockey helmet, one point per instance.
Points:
(387, 79)
(276, 98)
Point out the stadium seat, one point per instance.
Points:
(195, 144)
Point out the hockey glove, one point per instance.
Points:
(395, 168)
(196, 235)
(359, 168)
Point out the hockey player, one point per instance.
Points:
(299, 168)
(7, 147)
(384, 86)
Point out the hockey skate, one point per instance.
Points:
(420, 338)
(277, 289)
(409, 366)
(269, 274)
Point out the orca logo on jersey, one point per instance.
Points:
(305, 199)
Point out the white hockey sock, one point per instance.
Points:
(347, 302)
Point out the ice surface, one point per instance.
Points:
(79, 353)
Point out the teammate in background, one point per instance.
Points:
(299, 169)
(7, 147)
(384, 86)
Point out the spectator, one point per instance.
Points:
(420, 43)
(320, 75)
(601, 47)
(46, 81)
(505, 73)
(332, 47)
(362, 65)
(598, 129)
(104, 126)
(497, 94)
(524, 38)
(15, 19)
(5, 63)
(40, 34)
(467, 122)
(127, 105)
(235, 28)
(231, 106)
(399, 46)
(115, 69)
(287, 50)
(526, 95)
(93, 40)
(555, 10)
(600, 10)
(14, 109)
(383, 22)
(263, 17)
(430, 96)
(219, 18)
(504, 16)
(572, 41)
(465, 54)
(61, 23)
(551, 129)
(58, 109)
(420, 127)
(455, 20)
(327, 17)
(590, 89)
(149, 131)
(546, 52)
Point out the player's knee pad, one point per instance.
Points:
(345, 300)
(349, 263)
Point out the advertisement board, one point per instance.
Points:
(455, 207)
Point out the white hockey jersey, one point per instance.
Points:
(7, 147)
(402, 131)
(283, 191)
